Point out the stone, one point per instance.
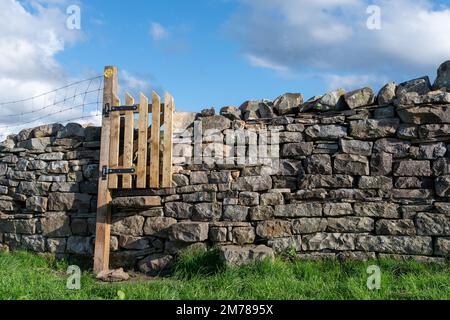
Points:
(351, 164)
(7, 145)
(178, 210)
(377, 210)
(220, 177)
(3, 169)
(337, 209)
(431, 224)
(132, 225)
(57, 245)
(373, 128)
(421, 86)
(158, 226)
(443, 77)
(297, 150)
(350, 225)
(189, 232)
(235, 213)
(356, 147)
(142, 202)
(288, 103)
(199, 177)
(404, 227)
(66, 187)
(326, 181)
(399, 148)
(48, 130)
(243, 235)
(252, 183)
(117, 275)
(416, 194)
(201, 196)
(295, 127)
(35, 243)
(408, 168)
(386, 95)
(52, 156)
(432, 151)
(290, 137)
(332, 101)
(209, 112)
(360, 98)
(281, 245)
(6, 206)
(231, 113)
(261, 213)
(37, 204)
(434, 131)
(376, 182)
(180, 180)
(133, 243)
(58, 201)
(309, 225)
(72, 130)
(442, 247)
(328, 241)
(207, 211)
(435, 114)
(27, 226)
(238, 256)
(408, 132)
(249, 199)
(271, 229)
(156, 265)
(311, 209)
(217, 123)
(381, 164)
(79, 245)
(38, 144)
(443, 207)
(272, 199)
(318, 164)
(395, 244)
(326, 132)
(218, 234)
(56, 225)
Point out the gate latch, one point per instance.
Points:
(108, 109)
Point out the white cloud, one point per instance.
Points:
(331, 36)
(263, 63)
(32, 33)
(158, 32)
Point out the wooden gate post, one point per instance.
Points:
(103, 236)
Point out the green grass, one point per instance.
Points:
(199, 275)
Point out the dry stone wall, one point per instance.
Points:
(354, 175)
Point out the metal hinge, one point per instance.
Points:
(107, 171)
(108, 109)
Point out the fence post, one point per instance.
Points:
(103, 227)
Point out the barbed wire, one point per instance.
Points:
(78, 100)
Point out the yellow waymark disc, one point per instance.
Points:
(109, 73)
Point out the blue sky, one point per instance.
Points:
(221, 52)
(199, 62)
(201, 59)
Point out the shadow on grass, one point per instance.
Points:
(193, 263)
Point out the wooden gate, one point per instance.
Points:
(132, 154)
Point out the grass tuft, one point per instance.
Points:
(199, 274)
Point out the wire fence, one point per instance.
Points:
(79, 101)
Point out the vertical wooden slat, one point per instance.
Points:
(114, 144)
(103, 226)
(155, 140)
(141, 171)
(168, 139)
(128, 143)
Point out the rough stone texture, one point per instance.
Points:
(238, 256)
(344, 176)
(189, 232)
(359, 98)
